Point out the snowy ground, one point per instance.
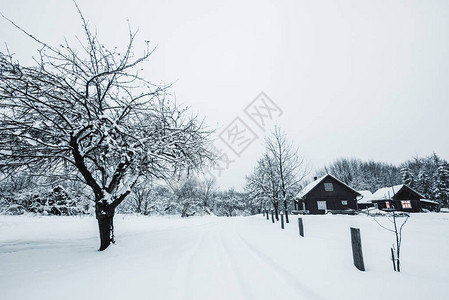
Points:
(220, 258)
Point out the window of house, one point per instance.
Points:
(322, 205)
(406, 204)
(387, 204)
(344, 202)
(328, 187)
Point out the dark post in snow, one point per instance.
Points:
(393, 259)
(263, 213)
(357, 249)
(282, 221)
(301, 227)
(266, 211)
(272, 216)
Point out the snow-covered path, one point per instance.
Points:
(217, 258)
(222, 263)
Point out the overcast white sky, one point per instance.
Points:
(365, 79)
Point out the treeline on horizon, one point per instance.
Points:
(427, 175)
(22, 193)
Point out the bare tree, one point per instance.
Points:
(140, 197)
(287, 162)
(91, 110)
(397, 230)
(186, 192)
(207, 190)
(362, 175)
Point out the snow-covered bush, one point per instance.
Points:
(54, 201)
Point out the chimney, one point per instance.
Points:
(315, 178)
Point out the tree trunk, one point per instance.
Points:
(286, 211)
(105, 216)
(106, 232)
(276, 212)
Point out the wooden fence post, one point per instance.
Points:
(272, 216)
(301, 227)
(357, 249)
(282, 221)
(266, 211)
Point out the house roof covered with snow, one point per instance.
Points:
(429, 201)
(310, 187)
(316, 182)
(389, 192)
(365, 193)
(367, 197)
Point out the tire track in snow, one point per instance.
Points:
(210, 273)
(234, 268)
(184, 269)
(259, 277)
(202, 271)
(282, 273)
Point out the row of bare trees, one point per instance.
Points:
(363, 175)
(278, 174)
(187, 196)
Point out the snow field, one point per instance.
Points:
(220, 258)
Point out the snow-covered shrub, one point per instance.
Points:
(14, 209)
(54, 201)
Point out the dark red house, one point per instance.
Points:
(326, 193)
(401, 197)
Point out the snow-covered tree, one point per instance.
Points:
(207, 191)
(441, 184)
(228, 202)
(424, 170)
(264, 182)
(407, 177)
(423, 184)
(141, 197)
(288, 163)
(90, 110)
(278, 173)
(186, 195)
(256, 201)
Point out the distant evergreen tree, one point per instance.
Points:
(407, 177)
(423, 170)
(423, 184)
(441, 184)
